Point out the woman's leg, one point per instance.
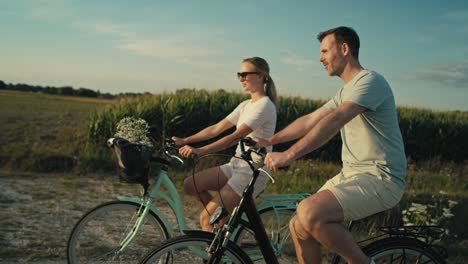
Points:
(226, 198)
(198, 185)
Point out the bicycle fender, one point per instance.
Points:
(153, 209)
(278, 205)
(199, 233)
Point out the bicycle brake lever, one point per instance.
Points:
(169, 143)
(268, 174)
(249, 142)
(173, 156)
(110, 142)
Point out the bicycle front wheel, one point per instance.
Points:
(98, 235)
(402, 250)
(191, 249)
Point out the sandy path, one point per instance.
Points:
(38, 212)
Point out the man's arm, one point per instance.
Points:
(299, 127)
(320, 134)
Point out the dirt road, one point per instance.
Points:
(38, 212)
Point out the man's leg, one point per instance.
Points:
(302, 241)
(211, 179)
(318, 219)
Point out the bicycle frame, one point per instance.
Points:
(172, 199)
(247, 206)
(278, 202)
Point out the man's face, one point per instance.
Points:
(331, 56)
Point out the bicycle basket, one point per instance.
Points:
(132, 160)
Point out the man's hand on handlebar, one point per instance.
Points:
(277, 160)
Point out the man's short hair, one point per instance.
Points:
(344, 35)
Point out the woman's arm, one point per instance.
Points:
(221, 144)
(205, 134)
(227, 141)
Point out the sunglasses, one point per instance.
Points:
(244, 74)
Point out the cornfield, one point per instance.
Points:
(427, 134)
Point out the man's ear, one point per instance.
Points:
(345, 48)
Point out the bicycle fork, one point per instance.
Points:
(136, 226)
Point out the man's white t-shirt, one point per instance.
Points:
(372, 141)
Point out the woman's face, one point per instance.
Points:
(251, 80)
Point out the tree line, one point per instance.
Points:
(62, 90)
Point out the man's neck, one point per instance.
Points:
(350, 71)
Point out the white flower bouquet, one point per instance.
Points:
(135, 130)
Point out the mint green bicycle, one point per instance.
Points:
(125, 230)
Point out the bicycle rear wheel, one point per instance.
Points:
(96, 238)
(276, 223)
(402, 250)
(191, 248)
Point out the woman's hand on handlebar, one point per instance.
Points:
(190, 152)
(277, 160)
(179, 141)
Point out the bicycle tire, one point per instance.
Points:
(191, 248)
(276, 222)
(402, 250)
(97, 235)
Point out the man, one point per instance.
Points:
(374, 164)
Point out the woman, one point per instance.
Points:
(255, 117)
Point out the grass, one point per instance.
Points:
(43, 132)
(423, 178)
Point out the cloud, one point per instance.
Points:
(458, 15)
(198, 49)
(50, 10)
(458, 20)
(112, 29)
(298, 61)
(452, 75)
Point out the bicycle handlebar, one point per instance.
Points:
(170, 144)
(246, 155)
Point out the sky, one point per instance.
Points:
(117, 46)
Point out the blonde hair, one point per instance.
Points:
(262, 66)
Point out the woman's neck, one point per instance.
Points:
(256, 96)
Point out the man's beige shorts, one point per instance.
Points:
(239, 174)
(363, 194)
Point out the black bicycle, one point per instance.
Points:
(395, 245)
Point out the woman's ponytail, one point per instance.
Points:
(270, 90)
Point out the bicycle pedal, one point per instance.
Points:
(219, 214)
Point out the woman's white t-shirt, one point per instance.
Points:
(260, 116)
